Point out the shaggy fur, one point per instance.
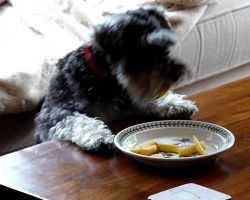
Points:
(133, 51)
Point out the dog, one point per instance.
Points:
(120, 72)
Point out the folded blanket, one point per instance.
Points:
(62, 26)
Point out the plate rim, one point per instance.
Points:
(185, 159)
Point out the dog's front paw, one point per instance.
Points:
(185, 110)
(99, 143)
(174, 106)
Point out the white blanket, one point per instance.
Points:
(60, 26)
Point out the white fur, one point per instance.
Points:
(171, 105)
(88, 133)
(133, 85)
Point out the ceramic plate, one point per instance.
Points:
(180, 132)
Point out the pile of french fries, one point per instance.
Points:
(154, 149)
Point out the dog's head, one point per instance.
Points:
(137, 43)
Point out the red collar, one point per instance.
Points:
(96, 67)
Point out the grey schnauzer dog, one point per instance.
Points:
(121, 71)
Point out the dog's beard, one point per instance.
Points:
(143, 87)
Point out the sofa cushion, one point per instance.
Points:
(218, 42)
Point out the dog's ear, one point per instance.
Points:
(136, 37)
(107, 37)
(132, 37)
(160, 38)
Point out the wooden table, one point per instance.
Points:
(60, 170)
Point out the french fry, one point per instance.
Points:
(168, 147)
(148, 144)
(157, 155)
(198, 146)
(186, 151)
(191, 149)
(203, 144)
(138, 149)
(152, 148)
(148, 150)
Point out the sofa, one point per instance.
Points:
(217, 49)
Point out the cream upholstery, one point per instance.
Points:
(219, 44)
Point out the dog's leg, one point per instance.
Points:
(89, 133)
(171, 106)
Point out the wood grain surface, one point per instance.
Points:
(61, 170)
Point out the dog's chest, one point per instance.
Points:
(109, 105)
(109, 108)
